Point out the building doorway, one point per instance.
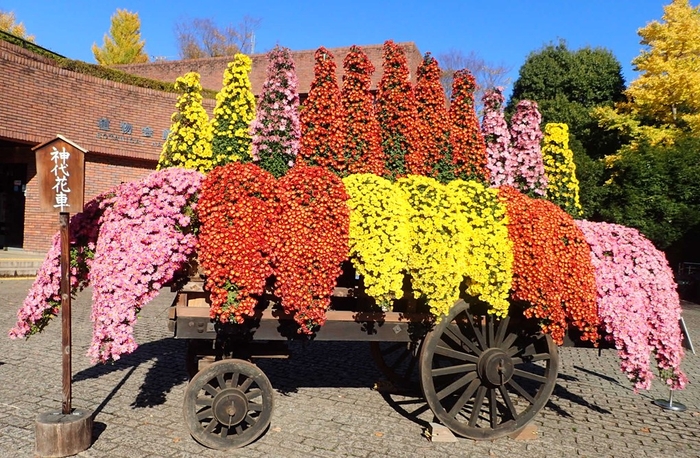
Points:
(12, 187)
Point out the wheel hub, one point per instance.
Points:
(230, 406)
(495, 367)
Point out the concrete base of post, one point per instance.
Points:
(59, 434)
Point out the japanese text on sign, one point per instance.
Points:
(60, 174)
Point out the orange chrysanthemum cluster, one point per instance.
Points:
(364, 142)
(432, 111)
(398, 116)
(323, 119)
(311, 242)
(468, 146)
(236, 209)
(552, 271)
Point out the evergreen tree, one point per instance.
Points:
(189, 142)
(233, 114)
(123, 45)
(364, 145)
(276, 129)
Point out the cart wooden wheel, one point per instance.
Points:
(484, 377)
(397, 361)
(228, 404)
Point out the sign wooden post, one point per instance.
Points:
(60, 166)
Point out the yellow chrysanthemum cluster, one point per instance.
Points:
(379, 235)
(563, 188)
(234, 111)
(488, 250)
(458, 232)
(189, 142)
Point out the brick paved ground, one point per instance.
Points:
(324, 402)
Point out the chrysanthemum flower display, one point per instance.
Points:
(500, 163)
(562, 188)
(637, 302)
(398, 115)
(44, 298)
(311, 242)
(364, 142)
(234, 111)
(323, 118)
(144, 239)
(432, 112)
(380, 241)
(525, 148)
(236, 211)
(276, 130)
(486, 247)
(552, 272)
(468, 149)
(189, 142)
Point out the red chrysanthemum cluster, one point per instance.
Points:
(432, 112)
(236, 210)
(552, 270)
(468, 146)
(398, 116)
(311, 242)
(323, 118)
(364, 142)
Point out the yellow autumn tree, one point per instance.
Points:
(9, 24)
(664, 101)
(123, 44)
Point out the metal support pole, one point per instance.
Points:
(669, 405)
(65, 313)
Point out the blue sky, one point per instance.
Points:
(502, 32)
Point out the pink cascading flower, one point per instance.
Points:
(145, 238)
(499, 161)
(526, 150)
(637, 302)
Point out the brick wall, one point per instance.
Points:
(40, 101)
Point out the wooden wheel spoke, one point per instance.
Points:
(204, 414)
(453, 369)
(224, 431)
(221, 381)
(210, 389)
(477, 333)
(508, 401)
(490, 337)
(508, 342)
(529, 375)
(450, 353)
(501, 333)
(521, 391)
(211, 426)
(203, 401)
(478, 402)
(493, 408)
(239, 429)
(250, 420)
(246, 384)
(466, 395)
(454, 386)
(255, 407)
(458, 337)
(233, 383)
(252, 394)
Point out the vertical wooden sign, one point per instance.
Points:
(60, 166)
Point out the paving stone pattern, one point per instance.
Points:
(324, 402)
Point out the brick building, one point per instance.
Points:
(121, 126)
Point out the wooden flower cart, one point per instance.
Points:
(482, 377)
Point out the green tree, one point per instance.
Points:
(656, 189)
(9, 24)
(123, 45)
(567, 85)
